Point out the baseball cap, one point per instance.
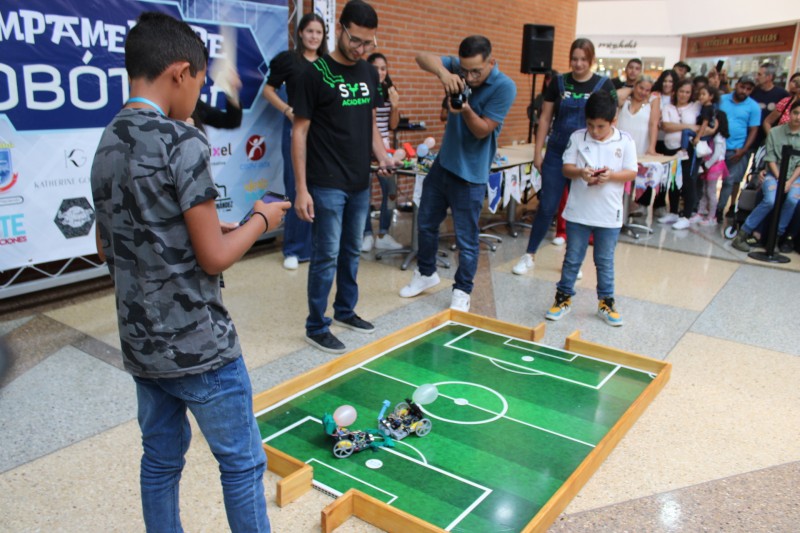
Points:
(747, 78)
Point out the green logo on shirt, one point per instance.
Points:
(354, 94)
(327, 75)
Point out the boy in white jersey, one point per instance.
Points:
(599, 160)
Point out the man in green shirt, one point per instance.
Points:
(778, 137)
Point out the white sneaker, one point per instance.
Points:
(418, 284)
(290, 262)
(696, 218)
(669, 218)
(682, 223)
(559, 241)
(460, 301)
(367, 242)
(524, 264)
(387, 243)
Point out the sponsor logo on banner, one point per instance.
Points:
(221, 154)
(255, 189)
(223, 201)
(75, 217)
(55, 183)
(12, 229)
(75, 158)
(8, 178)
(256, 149)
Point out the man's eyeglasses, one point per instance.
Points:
(355, 42)
(472, 73)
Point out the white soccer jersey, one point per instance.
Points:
(598, 205)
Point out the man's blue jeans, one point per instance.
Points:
(221, 401)
(770, 188)
(440, 190)
(336, 235)
(735, 174)
(605, 242)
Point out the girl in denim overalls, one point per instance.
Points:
(571, 117)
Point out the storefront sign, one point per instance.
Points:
(745, 42)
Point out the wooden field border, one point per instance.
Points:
(297, 476)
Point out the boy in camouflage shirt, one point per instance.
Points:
(158, 230)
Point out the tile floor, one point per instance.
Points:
(717, 450)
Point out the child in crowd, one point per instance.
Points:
(158, 231)
(708, 97)
(599, 159)
(713, 169)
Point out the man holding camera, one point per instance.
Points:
(480, 97)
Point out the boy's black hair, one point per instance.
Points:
(474, 45)
(359, 13)
(601, 105)
(157, 41)
(700, 79)
(636, 61)
(795, 104)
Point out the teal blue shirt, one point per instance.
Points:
(462, 153)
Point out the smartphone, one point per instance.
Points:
(720, 64)
(268, 198)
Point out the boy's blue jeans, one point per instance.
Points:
(221, 402)
(770, 188)
(440, 190)
(605, 242)
(336, 235)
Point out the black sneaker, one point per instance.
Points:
(326, 342)
(356, 323)
(787, 245)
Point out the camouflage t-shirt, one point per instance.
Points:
(147, 171)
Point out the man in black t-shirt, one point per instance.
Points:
(334, 135)
(632, 71)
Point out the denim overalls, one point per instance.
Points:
(571, 117)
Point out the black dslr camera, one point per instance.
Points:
(457, 100)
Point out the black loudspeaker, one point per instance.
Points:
(537, 48)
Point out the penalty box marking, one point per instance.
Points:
(530, 371)
(424, 464)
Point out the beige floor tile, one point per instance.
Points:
(269, 307)
(94, 486)
(96, 317)
(728, 409)
(669, 278)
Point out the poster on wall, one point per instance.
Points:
(327, 10)
(63, 78)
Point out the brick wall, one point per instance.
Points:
(406, 28)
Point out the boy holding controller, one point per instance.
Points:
(599, 159)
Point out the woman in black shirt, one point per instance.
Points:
(286, 67)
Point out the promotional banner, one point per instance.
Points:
(327, 10)
(63, 78)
